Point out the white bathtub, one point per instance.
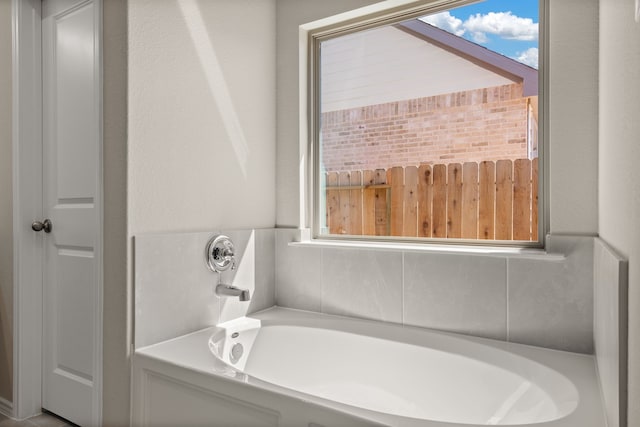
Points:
(287, 367)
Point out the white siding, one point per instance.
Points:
(387, 64)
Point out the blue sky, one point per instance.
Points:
(509, 27)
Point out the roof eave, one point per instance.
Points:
(480, 55)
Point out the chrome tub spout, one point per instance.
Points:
(232, 291)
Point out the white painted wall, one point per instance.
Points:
(387, 64)
(6, 206)
(619, 156)
(573, 101)
(573, 116)
(201, 114)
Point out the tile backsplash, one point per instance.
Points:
(362, 283)
(539, 300)
(461, 293)
(544, 301)
(174, 289)
(610, 329)
(551, 303)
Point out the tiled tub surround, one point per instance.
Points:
(610, 329)
(540, 300)
(301, 368)
(174, 289)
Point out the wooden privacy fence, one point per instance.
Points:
(486, 200)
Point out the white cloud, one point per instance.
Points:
(529, 57)
(445, 21)
(502, 24)
(479, 37)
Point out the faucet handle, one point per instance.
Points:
(226, 248)
(220, 254)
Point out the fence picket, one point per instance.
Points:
(382, 224)
(487, 197)
(522, 199)
(410, 221)
(504, 200)
(425, 191)
(439, 208)
(454, 200)
(344, 180)
(470, 200)
(333, 204)
(368, 204)
(397, 200)
(355, 207)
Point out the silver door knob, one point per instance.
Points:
(45, 225)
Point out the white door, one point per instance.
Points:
(72, 310)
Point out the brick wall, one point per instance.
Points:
(476, 125)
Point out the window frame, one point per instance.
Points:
(381, 14)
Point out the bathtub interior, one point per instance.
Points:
(381, 375)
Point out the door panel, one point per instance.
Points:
(75, 318)
(71, 165)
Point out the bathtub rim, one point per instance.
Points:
(556, 386)
(578, 368)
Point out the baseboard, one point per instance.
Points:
(6, 407)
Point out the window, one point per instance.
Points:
(426, 127)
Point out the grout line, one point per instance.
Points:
(276, 258)
(322, 280)
(507, 297)
(402, 289)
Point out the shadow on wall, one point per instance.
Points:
(6, 380)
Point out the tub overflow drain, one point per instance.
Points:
(236, 353)
(235, 335)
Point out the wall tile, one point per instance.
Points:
(174, 289)
(256, 276)
(610, 331)
(362, 283)
(298, 277)
(265, 279)
(458, 293)
(243, 276)
(551, 302)
(548, 303)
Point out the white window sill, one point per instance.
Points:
(497, 251)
